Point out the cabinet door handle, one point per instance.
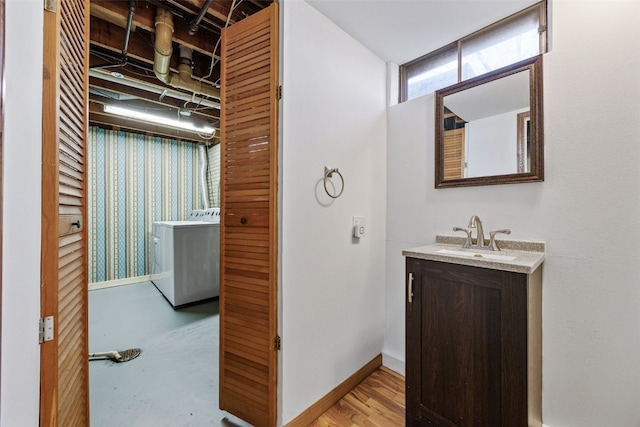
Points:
(410, 288)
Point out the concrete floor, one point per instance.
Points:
(174, 381)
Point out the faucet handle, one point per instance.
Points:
(466, 230)
(492, 235)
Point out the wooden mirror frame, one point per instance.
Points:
(534, 65)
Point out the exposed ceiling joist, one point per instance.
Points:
(116, 12)
(139, 87)
(154, 87)
(122, 92)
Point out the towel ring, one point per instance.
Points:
(328, 173)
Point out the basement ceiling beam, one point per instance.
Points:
(109, 37)
(216, 9)
(215, 17)
(116, 12)
(153, 84)
(212, 114)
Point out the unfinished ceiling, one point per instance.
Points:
(159, 57)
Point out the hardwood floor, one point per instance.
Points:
(378, 401)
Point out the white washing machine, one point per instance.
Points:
(185, 257)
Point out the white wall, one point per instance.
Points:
(492, 145)
(587, 211)
(20, 359)
(334, 114)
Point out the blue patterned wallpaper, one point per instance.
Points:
(134, 180)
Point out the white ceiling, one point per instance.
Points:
(401, 30)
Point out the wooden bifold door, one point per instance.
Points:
(64, 368)
(248, 230)
(249, 169)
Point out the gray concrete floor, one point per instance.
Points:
(174, 381)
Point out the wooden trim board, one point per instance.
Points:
(328, 400)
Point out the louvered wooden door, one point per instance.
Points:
(248, 323)
(454, 154)
(64, 360)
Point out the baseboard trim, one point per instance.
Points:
(393, 363)
(392, 372)
(119, 282)
(328, 400)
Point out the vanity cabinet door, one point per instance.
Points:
(466, 346)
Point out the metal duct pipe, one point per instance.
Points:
(163, 45)
(162, 58)
(204, 188)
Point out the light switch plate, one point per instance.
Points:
(358, 226)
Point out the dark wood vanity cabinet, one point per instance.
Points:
(473, 346)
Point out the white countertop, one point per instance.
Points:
(527, 256)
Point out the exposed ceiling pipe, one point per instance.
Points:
(183, 79)
(126, 81)
(163, 51)
(163, 45)
(178, 12)
(125, 47)
(195, 24)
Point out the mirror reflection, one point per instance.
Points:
(489, 129)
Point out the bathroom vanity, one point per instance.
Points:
(474, 334)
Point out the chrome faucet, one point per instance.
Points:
(467, 243)
(475, 222)
(492, 241)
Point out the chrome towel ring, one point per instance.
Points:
(328, 173)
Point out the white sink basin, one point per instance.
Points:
(477, 255)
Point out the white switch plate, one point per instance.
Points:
(358, 226)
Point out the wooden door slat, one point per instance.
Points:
(238, 41)
(248, 102)
(72, 172)
(245, 76)
(69, 182)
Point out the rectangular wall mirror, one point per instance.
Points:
(489, 129)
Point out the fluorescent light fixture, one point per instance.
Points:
(165, 121)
